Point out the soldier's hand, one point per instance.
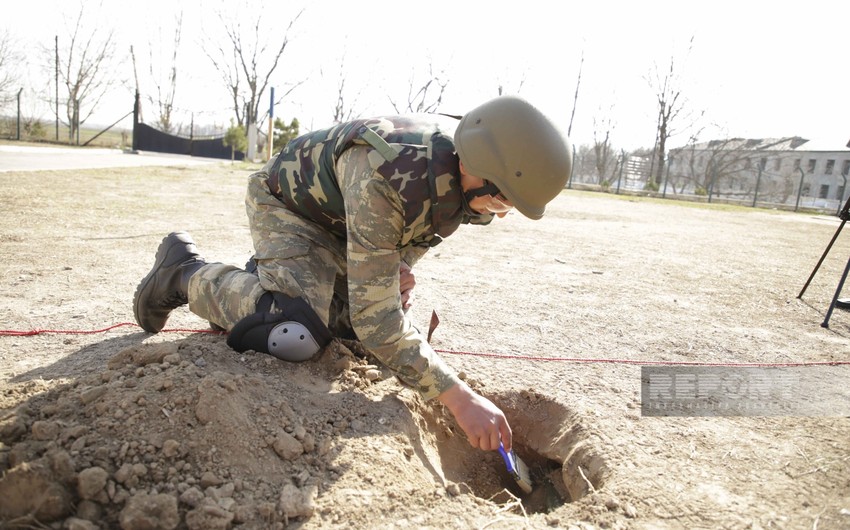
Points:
(483, 422)
(406, 283)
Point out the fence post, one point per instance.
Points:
(800, 189)
(758, 181)
(271, 126)
(622, 163)
(136, 110)
(56, 64)
(667, 177)
(713, 178)
(572, 170)
(19, 114)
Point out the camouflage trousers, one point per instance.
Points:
(293, 256)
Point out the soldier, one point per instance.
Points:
(338, 219)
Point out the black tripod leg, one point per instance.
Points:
(825, 323)
(825, 252)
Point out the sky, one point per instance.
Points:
(755, 69)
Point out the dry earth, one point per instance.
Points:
(122, 429)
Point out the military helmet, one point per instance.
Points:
(513, 145)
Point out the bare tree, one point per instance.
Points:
(10, 61)
(33, 124)
(731, 168)
(584, 165)
(575, 96)
(165, 83)
(604, 153)
(246, 61)
(83, 69)
(343, 110)
(521, 82)
(667, 85)
(425, 97)
(708, 165)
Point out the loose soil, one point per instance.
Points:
(124, 429)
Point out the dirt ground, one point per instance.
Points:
(123, 429)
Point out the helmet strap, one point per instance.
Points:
(478, 217)
(487, 189)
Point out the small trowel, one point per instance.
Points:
(516, 469)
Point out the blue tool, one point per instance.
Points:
(516, 468)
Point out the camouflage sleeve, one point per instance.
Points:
(411, 254)
(375, 224)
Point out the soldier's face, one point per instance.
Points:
(496, 204)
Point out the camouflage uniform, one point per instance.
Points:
(332, 217)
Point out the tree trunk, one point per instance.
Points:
(662, 150)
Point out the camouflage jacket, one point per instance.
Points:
(409, 201)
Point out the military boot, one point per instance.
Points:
(166, 285)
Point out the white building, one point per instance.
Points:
(773, 171)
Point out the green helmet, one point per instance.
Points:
(513, 145)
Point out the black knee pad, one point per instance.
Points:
(293, 333)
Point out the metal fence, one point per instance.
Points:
(755, 186)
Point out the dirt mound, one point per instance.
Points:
(600, 277)
(189, 434)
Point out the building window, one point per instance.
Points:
(797, 164)
(748, 163)
(845, 169)
(824, 191)
(830, 164)
(777, 164)
(840, 193)
(811, 166)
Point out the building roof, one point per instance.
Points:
(821, 144)
(788, 143)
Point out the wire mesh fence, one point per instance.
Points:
(784, 183)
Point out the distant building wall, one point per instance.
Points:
(781, 171)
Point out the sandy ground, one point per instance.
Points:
(122, 429)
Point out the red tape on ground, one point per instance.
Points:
(33, 332)
(642, 362)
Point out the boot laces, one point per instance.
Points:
(174, 300)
